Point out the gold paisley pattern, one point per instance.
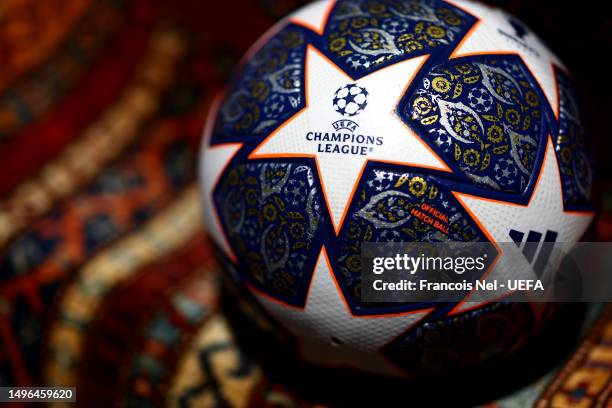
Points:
(272, 215)
(394, 206)
(484, 115)
(269, 89)
(364, 35)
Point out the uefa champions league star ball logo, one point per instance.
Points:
(350, 100)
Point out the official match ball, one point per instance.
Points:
(391, 121)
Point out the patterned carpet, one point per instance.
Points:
(107, 281)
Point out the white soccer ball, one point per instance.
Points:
(345, 121)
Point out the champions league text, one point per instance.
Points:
(344, 143)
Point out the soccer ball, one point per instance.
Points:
(348, 115)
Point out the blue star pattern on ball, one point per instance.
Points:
(269, 90)
(350, 100)
(574, 154)
(484, 114)
(367, 35)
(461, 340)
(272, 213)
(396, 206)
(390, 121)
(480, 100)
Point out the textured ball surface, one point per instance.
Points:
(348, 118)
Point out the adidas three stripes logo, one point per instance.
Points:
(533, 248)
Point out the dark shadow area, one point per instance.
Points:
(464, 387)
